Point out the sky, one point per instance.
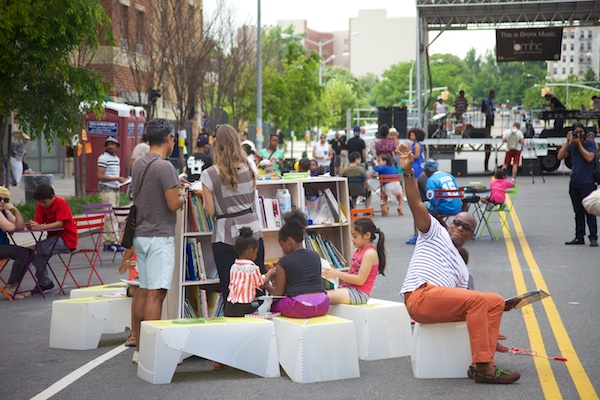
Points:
(334, 15)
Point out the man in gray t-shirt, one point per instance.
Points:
(155, 188)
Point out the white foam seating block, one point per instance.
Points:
(382, 328)
(77, 324)
(441, 350)
(111, 289)
(317, 349)
(244, 343)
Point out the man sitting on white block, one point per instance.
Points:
(435, 287)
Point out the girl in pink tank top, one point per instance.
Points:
(367, 262)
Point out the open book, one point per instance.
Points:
(524, 299)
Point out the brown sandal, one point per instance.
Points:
(130, 341)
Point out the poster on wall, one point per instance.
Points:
(530, 44)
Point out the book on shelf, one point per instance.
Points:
(326, 249)
(188, 310)
(270, 212)
(216, 305)
(190, 263)
(199, 220)
(336, 209)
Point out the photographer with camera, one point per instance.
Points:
(582, 152)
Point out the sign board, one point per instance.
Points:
(528, 44)
(140, 130)
(103, 128)
(131, 129)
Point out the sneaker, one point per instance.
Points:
(576, 241)
(593, 243)
(501, 336)
(37, 290)
(108, 247)
(136, 355)
(513, 179)
(500, 377)
(412, 240)
(118, 248)
(500, 348)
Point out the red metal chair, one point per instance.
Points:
(3, 264)
(448, 194)
(104, 209)
(85, 257)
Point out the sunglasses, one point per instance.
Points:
(465, 227)
(5, 199)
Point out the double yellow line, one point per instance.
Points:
(546, 375)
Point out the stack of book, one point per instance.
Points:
(199, 220)
(269, 212)
(196, 270)
(204, 304)
(325, 249)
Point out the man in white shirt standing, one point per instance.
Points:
(109, 171)
(514, 140)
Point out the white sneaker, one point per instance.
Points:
(513, 179)
(135, 357)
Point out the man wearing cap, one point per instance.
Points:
(200, 160)
(109, 171)
(356, 144)
(18, 149)
(439, 180)
(441, 110)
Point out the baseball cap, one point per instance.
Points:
(111, 139)
(591, 133)
(356, 128)
(430, 165)
(439, 98)
(202, 140)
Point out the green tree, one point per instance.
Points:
(338, 97)
(37, 76)
(589, 75)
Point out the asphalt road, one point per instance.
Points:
(566, 324)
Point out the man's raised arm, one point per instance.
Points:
(419, 212)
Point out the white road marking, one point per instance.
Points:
(78, 373)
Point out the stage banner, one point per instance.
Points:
(531, 44)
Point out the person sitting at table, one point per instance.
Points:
(11, 220)
(52, 212)
(498, 188)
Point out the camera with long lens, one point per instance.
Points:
(575, 135)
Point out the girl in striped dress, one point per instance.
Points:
(244, 276)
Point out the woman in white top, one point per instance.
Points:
(323, 153)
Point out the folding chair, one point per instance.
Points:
(502, 210)
(383, 180)
(357, 213)
(101, 209)
(92, 225)
(3, 264)
(447, 194)
(121, 214)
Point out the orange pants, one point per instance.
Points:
(482, 311)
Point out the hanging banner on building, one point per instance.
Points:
(531, 44)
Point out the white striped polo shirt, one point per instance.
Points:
(112, 167)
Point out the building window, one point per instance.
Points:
(589, 34)
(570, 70)
(581, 70)
(564, 34)
(140, 28)
(589, 45)
(346, 41)
(581, 58)
(571, 58)
(572, 46)
(555, 71)
(589, 58)
(346, 63)
(582, 34)
(124, 26)
(564, 70)
(581, 46)
(564, 46)
(572, 34)
(564, 58)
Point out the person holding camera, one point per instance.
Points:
(582, 152)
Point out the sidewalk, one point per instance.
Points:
(63, 187)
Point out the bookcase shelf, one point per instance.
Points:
(337, 233)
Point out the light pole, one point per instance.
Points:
(259, 125)
(320, 45)
(535, 77)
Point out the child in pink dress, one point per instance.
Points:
(498, 187)
(367, 262)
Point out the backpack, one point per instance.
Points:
(512, 140)
(483, 106)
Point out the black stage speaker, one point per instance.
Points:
(459, 168)
(554, 132)
(384, 116)
(478, 133)
(400, 121)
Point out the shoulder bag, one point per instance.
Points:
(131, 221)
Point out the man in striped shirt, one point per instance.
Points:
(435, 287)
(109, 177)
